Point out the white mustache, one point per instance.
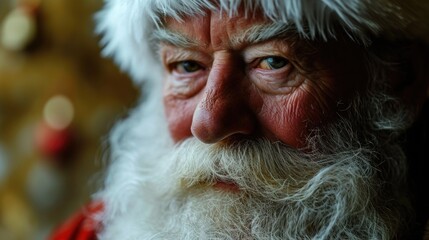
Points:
(257, 167)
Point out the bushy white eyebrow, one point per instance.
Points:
(174, 38)
(255, 34)
(263, 32)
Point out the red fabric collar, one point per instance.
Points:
(82, 225)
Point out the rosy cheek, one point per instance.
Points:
(291, 118)
(180, 100)
(179, 113)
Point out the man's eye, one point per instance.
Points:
(186, 67)
(272, 63)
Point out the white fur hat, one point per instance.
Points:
(126, 25)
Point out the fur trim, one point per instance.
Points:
(126, 25)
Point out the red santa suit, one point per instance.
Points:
(83, 225)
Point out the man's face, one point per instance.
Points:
(270, 141)
(226, 80)
(290, 125)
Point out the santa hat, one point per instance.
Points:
(126, 25)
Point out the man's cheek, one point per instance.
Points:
(290, 119)
(179, 115)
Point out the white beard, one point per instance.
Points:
(157, 190)
(284, 194)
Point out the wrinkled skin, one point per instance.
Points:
(221, 89)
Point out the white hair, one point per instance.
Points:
(127, 25)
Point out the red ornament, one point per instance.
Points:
(53, 142)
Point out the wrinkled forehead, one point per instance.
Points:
(230, 13)
(237, 16)
(221, 28)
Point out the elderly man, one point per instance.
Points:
(267, 119)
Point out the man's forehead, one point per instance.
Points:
(219, 27)
(256, 14)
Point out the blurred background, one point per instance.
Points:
(58, 100)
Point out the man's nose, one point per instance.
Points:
(224, 109)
